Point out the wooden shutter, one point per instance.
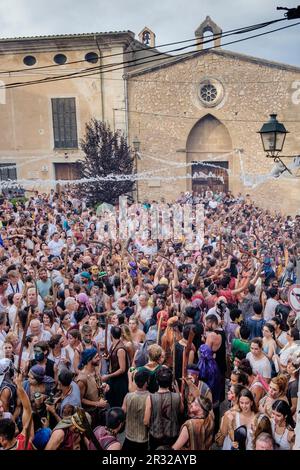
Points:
(64, 123)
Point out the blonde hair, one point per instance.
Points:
(126, 333)
(282, 382)
(11, 338)
(133, 318)
(155, 352)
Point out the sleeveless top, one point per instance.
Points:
(165, 409)
(249, 440)
(114, 360)
(13, 395)
(200, 433)
(152, 384)
(281, 440)
(220, 354)
(135, 429)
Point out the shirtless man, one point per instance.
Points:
(138, 336)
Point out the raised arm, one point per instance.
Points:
(27, 410)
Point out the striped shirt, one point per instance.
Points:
(135, 429)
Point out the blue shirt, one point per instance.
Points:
(255, 327)
(73, 398)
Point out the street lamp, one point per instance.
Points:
(273, 135)
(136, 146)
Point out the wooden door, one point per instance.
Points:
(66, 171)
(217, 176)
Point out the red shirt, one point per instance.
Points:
(21, 443)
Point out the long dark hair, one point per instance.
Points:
(270, 328)
(248, 394)
(281, 406)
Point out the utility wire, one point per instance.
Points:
(232, 31)
(108, 66)
(92, 71)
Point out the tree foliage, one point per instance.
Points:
(106, 153)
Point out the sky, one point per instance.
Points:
(171, 20)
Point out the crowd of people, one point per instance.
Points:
(144, 344)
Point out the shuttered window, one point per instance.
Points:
(8, 171)
(64, 123)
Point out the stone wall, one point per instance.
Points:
(164, 107)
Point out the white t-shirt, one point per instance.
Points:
(100, 338)
(70, 353)
(212, 311)
(261, 366)
(45, 335)
(282, 339)
(270, 307)
(58, 359)
(15, 288)
(56, 247)
(285, 354)
(145, 314)
(213, 204)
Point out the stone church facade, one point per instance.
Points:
(197, 116)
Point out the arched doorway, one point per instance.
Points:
(208, 143)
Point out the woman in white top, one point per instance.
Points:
(223, 436)
(244, 415)
(283, 425)
(259, 362)
(269, 344)
(93, 322)
(277, 391)
(280, 335)
(291, 346)
(49, 324)
(58, 353)
(144, 311)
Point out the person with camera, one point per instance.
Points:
(69, 394)
(38, 387)
(221, 311)
(92, 390)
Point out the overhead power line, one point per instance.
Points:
(244, 29)
(98, 70)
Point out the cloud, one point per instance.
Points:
(171, 20)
